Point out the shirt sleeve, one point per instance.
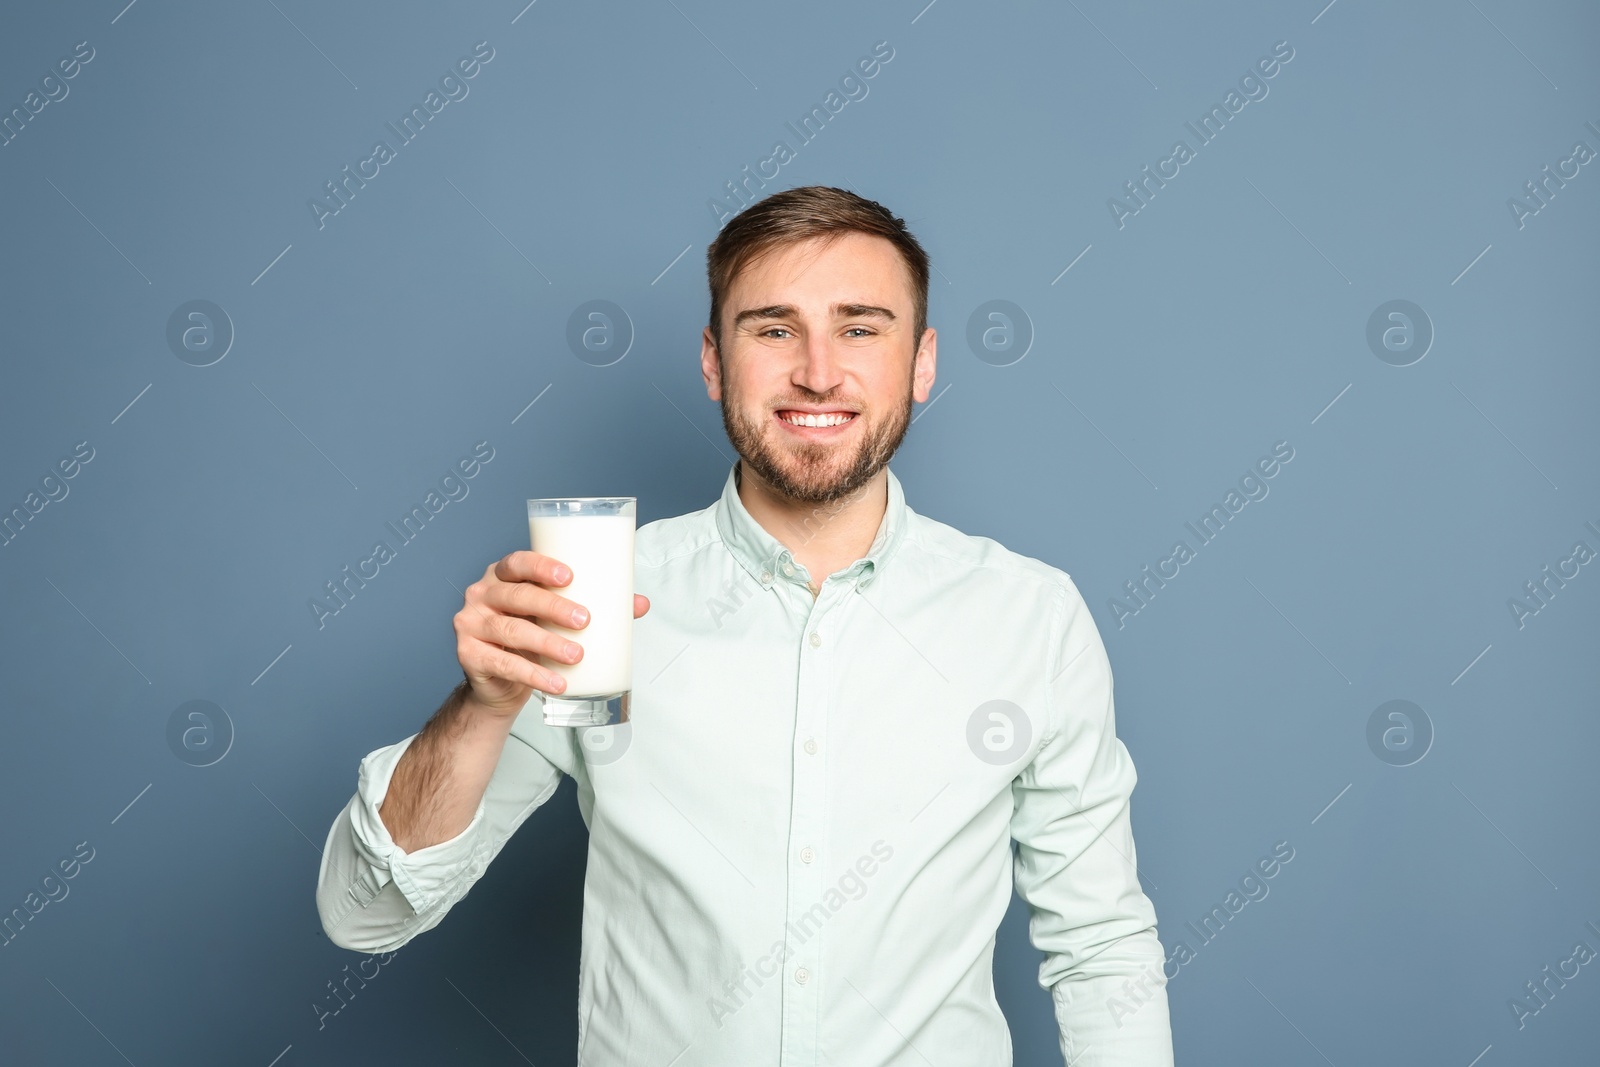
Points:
(373, 896)
(1075, 864)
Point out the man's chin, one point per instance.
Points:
(806, 472)
(804, 480)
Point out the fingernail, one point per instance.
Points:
(562, 574)
(580, 616)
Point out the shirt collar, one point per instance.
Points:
(764, 556)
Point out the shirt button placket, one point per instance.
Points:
(808, 830)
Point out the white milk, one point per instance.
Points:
(599, 551)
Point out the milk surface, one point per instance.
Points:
(599, 551)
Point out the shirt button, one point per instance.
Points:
(816, 639)
(788, 568)
(811, 746)
(806, 855)
(802, 975)
(766, 577)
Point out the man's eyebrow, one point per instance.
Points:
(782, 311)
(855, 311)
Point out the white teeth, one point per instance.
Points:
(817, 420)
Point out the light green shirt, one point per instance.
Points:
(800, 845)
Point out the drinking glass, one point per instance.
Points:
(593, 536)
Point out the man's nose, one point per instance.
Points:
(820, 369)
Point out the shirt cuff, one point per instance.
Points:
(422, 876)
(1109, 1020)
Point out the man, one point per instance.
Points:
(843, 714)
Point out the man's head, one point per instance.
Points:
(818, 302)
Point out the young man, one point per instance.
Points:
(843, 714)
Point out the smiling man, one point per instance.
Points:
(818, 381)
(854, 729)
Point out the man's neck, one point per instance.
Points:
(824, 537)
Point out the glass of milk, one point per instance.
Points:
(593, 536)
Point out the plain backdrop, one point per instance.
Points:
(1111, 367)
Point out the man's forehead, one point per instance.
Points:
(871, 268)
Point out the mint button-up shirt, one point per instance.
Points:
(800, 846)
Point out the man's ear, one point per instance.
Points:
(926, 359)
(710, 365)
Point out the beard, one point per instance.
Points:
(811, 472)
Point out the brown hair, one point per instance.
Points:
(799, 214)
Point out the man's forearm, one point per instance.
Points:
(442, 776)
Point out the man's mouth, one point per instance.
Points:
(819, 420)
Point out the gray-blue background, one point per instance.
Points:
(1230, 313)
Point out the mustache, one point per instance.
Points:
(827, 405)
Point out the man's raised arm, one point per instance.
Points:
(431, 811)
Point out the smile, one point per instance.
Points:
(831, 418)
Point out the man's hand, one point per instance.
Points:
(497, 637)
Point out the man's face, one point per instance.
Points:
(821, 325)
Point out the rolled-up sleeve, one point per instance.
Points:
(373, 896)
(1076, 867)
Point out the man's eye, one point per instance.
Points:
(770, 329)
(860, 330)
